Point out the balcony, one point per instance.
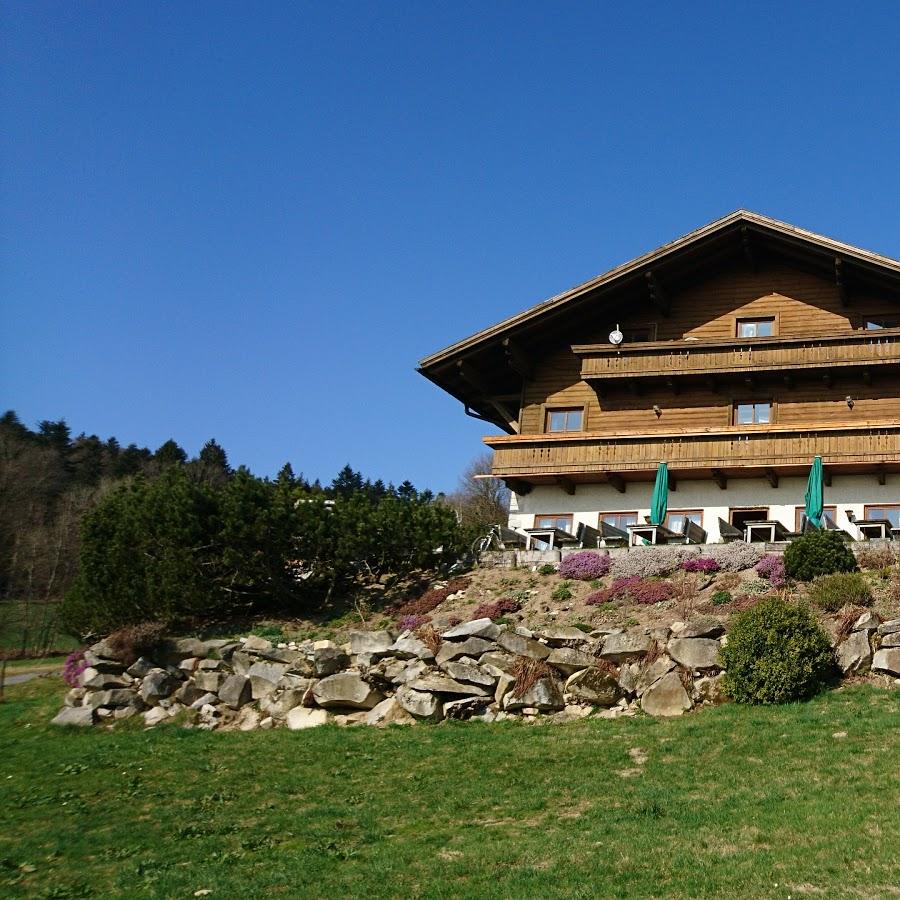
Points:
(863, 351)
(716, 455)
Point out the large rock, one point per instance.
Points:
(472, 646)
(155, 716)
(112, 698)
(410, 673)
(300, 718)
(280, 705)
(388, 712)
(329, 660)
(629, 674)
(854, 655)
(264, 678)
(465, 707)
(595, 686)
(622, 647)
(543, 695)
(892, 626)
(189, 692)
(102, 681)
(483, 628)
(891, 640)
(254, 642)
(346, 689)
(560, 635)
(469, 674)
(235, 691)
(695, 653)
(708, 689)
(375, 642)
(495, 662)
(408, 646)
(209, 681)
(868, 621)
(519, 645)
(568, 660)
(667, 697)
(78, 717)
(157, 684)
(241, 661)
(420, 704)
(701, 628)
(441, 684)
(887, 661)
(660, 666)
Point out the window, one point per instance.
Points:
(800, 512)
(753, 413)
(675, 520)
(876, 323)
(891, 512)
(620, 520)
(565, 419)
(554, 520)
(755, 328)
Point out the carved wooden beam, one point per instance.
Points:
(772, 477)
(826, 477)
(881, 472)
(566, 484)
(658, 297)
(477, 381)
(617, 481)
(747, 247)
(517, 486)
(673, 483)
(840, 279)
(719, 478)
(516, 358)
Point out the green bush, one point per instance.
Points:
(776, 653)
(720, 598)
(831, 592)
(547, 569)
(562, 592)
(818, 553)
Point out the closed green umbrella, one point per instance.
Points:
(815, 493)
(660, 500)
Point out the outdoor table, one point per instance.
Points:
(550, 536)
(872, 529)
(649, 533)
(770, 532)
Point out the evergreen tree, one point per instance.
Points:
(347, 482)
(170, 454)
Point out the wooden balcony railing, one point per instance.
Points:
(679, 358)
(865, 447)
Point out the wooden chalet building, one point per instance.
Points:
(746, 348)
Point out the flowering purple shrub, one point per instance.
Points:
(651, 562)
(736, 556)
(700, 564)
(771, 567)
(74, 665)
(634, 588)
(584, 566)
(412, 622)
(496, 609)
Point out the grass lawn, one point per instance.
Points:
(735, 801)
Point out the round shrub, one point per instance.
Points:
(720, 598)
(776, 653)
(704, 564)
(584, 566)
(771, 567)
(831, 592)
(818, 553)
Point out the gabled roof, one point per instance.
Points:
(500, 347)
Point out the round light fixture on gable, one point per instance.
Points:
(616, 337)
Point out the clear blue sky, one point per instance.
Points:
(249, 221)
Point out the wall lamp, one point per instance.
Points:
(850, 402)
(658, 411)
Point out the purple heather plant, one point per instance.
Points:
(700, 564)
(412, 622)
(74, 665)
(637, 589)
(584, 566)
(771, 567)
(496, 609)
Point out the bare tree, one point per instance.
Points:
(480, 501)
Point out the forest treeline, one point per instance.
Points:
(127, 534)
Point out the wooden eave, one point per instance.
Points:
(673, 266)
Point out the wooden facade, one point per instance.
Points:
(749, 347)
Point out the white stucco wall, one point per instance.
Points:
(850, 493)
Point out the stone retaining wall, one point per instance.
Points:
(478, 670)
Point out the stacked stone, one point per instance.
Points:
(379, 679)
(871, 645)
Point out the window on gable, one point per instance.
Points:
(753, 413)
(889, 512)
(620, 520)
(755, 328)
(554, 520)
(675, 520)
(876, 323)
(565, 419)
